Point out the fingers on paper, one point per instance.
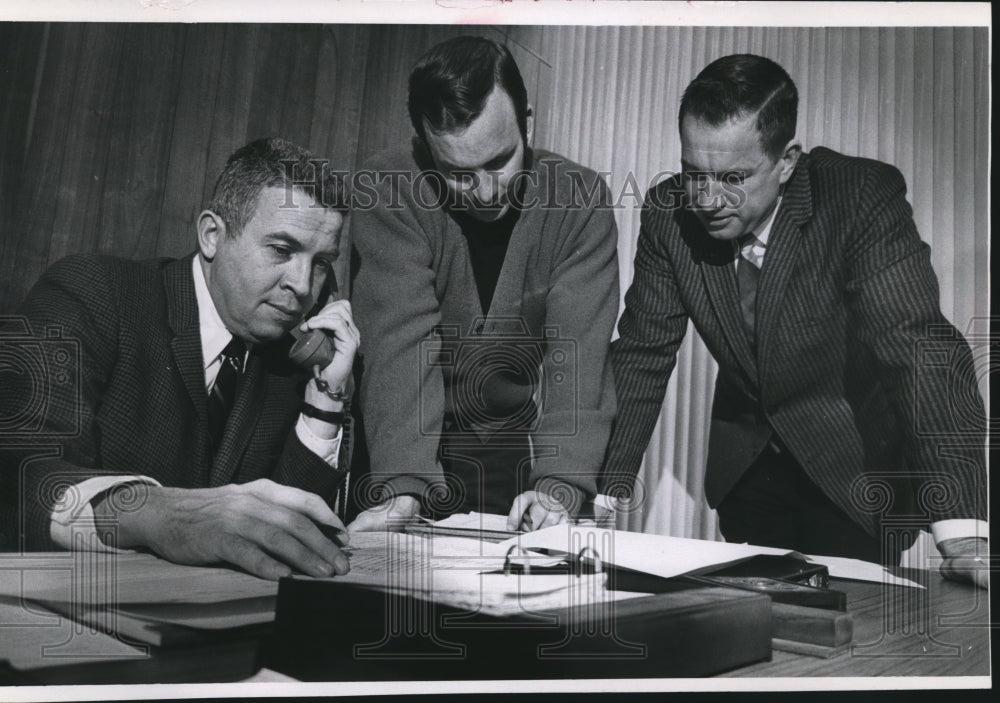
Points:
(533, 510)
(283, 523)
(247, 555)
(367, 521)
(392, 515)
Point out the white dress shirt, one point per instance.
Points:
(753, 251)
(75, 514)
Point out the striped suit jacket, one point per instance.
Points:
(855, 370)
(126, 393)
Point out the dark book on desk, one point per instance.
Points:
(326, 631)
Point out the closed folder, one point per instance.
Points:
(325, 631)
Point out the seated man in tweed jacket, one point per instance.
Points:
(182, 427)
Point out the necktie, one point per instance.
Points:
(747, 277)
(220, 400)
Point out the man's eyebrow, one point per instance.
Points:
(285, 237)
(738, 170)
(295, 244)
(743, 172)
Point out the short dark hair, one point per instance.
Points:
(740, 85)
(451, 82)
(268, 162)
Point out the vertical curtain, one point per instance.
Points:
(914, 97)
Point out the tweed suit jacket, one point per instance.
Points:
(133, 399)
(847, 312)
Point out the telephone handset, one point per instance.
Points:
(314, 349)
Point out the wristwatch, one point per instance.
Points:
(333, 417)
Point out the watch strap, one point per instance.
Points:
(334, 417)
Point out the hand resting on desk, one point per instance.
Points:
(551, 502)
(966, 560)
(393, 515)
(533, 510)
(264, 527)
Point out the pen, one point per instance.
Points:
(334, 534)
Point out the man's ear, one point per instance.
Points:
(529, 125)
(789, 158)
(211, 229)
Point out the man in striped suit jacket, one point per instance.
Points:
(838, 376)
(136, 354)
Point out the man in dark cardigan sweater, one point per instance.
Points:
(486, 294)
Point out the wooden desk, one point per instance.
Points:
(943, 631)
(38, 645)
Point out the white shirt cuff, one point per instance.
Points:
(953, 529)
(72, 524)
(325, 449)
(602, 500)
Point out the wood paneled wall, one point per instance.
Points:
(111, 135)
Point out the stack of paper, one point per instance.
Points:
(459, 571)
(664, 556)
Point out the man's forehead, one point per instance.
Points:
(287, 206)
(287, 200)
(721, 160)
(736, 129)
(736, 142)
(285, 197)
(493, 133)
(472, 155)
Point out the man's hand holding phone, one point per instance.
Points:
(329, 391)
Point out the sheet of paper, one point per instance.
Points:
(652, 554)
(475, 521)
(672, 556)
(501, 595)
(844, 568)
(403, 561)
(145, 588)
